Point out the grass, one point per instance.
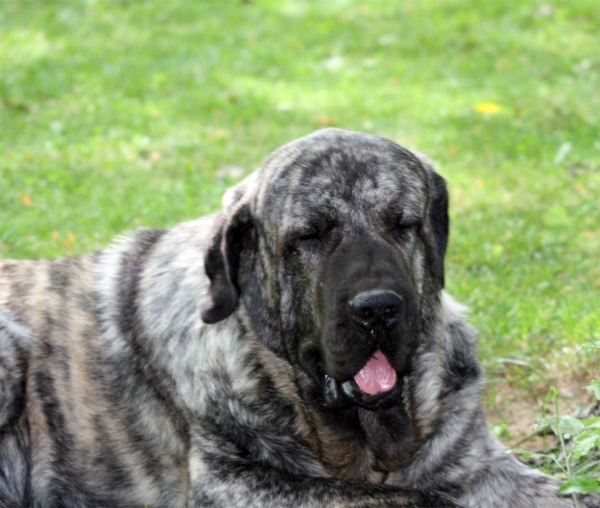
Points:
(117, 114)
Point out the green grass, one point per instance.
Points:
(117, 114)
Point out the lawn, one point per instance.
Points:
(120, 114)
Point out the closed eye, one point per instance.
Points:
(313, 234)
(404, 230)
(306, 240)
(310, 237)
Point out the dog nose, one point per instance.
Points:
(372, 308)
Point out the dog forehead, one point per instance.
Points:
(340, 170)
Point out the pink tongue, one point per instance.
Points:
(377, 375)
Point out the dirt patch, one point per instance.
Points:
(512, 406)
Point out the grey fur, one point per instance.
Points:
(130, 398)
(14, 465)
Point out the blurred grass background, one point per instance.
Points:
(117, 114)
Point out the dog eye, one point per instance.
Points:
(305, 241)
(309, 240)
(404, 230)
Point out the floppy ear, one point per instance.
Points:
(221, 263)
(437, 224)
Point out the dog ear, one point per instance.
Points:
(437, 224)
(222, 262)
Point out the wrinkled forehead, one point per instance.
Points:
(340, 173)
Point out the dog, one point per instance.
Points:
(296, 349)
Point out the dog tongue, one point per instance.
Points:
(377, 375)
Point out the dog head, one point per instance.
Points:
(335, 247)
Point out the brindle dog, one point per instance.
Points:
(294, 350)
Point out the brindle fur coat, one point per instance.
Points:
(202, 366)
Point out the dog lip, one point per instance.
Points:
(331, 393)
(353, 392)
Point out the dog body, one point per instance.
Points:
(130, 400)
(294, 350)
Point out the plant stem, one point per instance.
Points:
(564, 448)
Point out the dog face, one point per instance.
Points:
(336, 248)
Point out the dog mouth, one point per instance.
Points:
(375, 385)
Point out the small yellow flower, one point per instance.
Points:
(488, 108)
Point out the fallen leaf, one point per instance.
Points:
(324, 120)
(562, 152)
(26, 198)
(70, 241)
(221, 133)
(544, 10)
(488, 108)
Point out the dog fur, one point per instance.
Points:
(185, 368)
